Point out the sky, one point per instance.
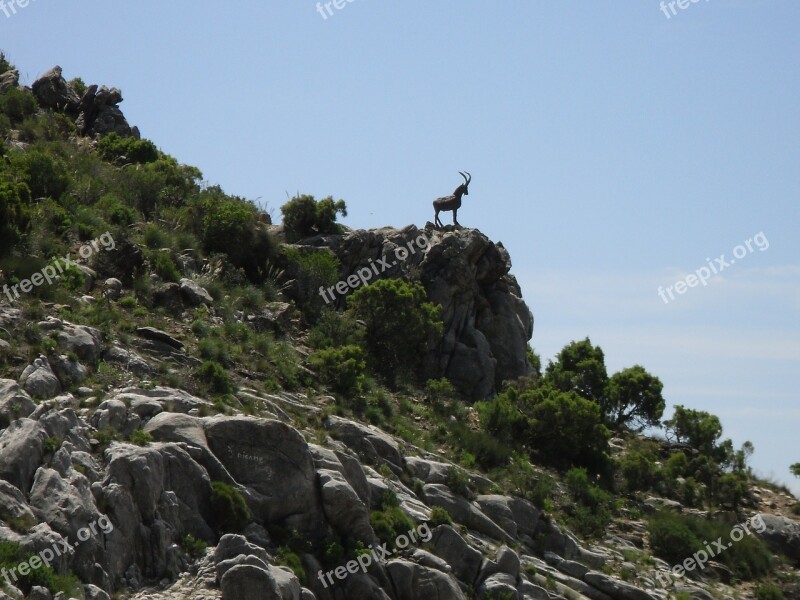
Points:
(616, 149)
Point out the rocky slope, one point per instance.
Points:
(110, 472)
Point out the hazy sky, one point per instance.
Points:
(614, 149)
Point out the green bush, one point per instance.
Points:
(768, 591)
(127, 150)
(334, 329)
(194, 547)
(309, 271)
(45, 174)
(638, 466)
(401, 325)
(676, 537)
(303, 216)
(440, 516)
(342, 369)
(12, 555)
(17, 104)
(671, 538)
(15, 211)
(215, 377)
(562, 429)
(229, 508)
(592, 511)
(458, 482)
(229, 225)
(164, 266)
(390, 522)
(140, 437)
(289, 558)
(580, 367)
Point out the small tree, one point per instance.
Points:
(580, 367)
(303, 216)
(633, 397)
(795, 469)
(699, 429)
(402, 326)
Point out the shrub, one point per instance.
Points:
(334, 329)
(389, 523)
(458, 481)
(289, 558)
(310, 271)
(591, 513)
(17, 104)
(165, 267)
(639, 469)
(401, 325)
(45, 174)
(215, 377)
(303, 216)
(440, 516)
(671, 538)
(140, 437)
(633, 397)
(229, 225)
(342, 369)
(194, 547)
(769, 591)
(580, 367)
(229, 507)
(12, 555)
(676, 537)
(562, 429)
(127, 150)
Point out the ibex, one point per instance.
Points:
(452, 202)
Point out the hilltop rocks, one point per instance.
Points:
(52, 91)
(8, 80)
(486, 323)
(96, 113)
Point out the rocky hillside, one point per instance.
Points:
(195, 403)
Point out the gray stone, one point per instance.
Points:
(246, 582)
(39, 380)
(194, 294)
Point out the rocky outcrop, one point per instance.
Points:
(486, 323)
(95, 113)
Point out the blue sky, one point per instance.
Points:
(613, 150)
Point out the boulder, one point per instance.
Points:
(21, 451)
(273, 461)
(39, 380)
(781, 534)
(370, 443)
(248, 582)
(14, 402)
(52, 91)
(416, 582)
(194, 294)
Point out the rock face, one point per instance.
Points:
(96, 113)
(486, 323)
